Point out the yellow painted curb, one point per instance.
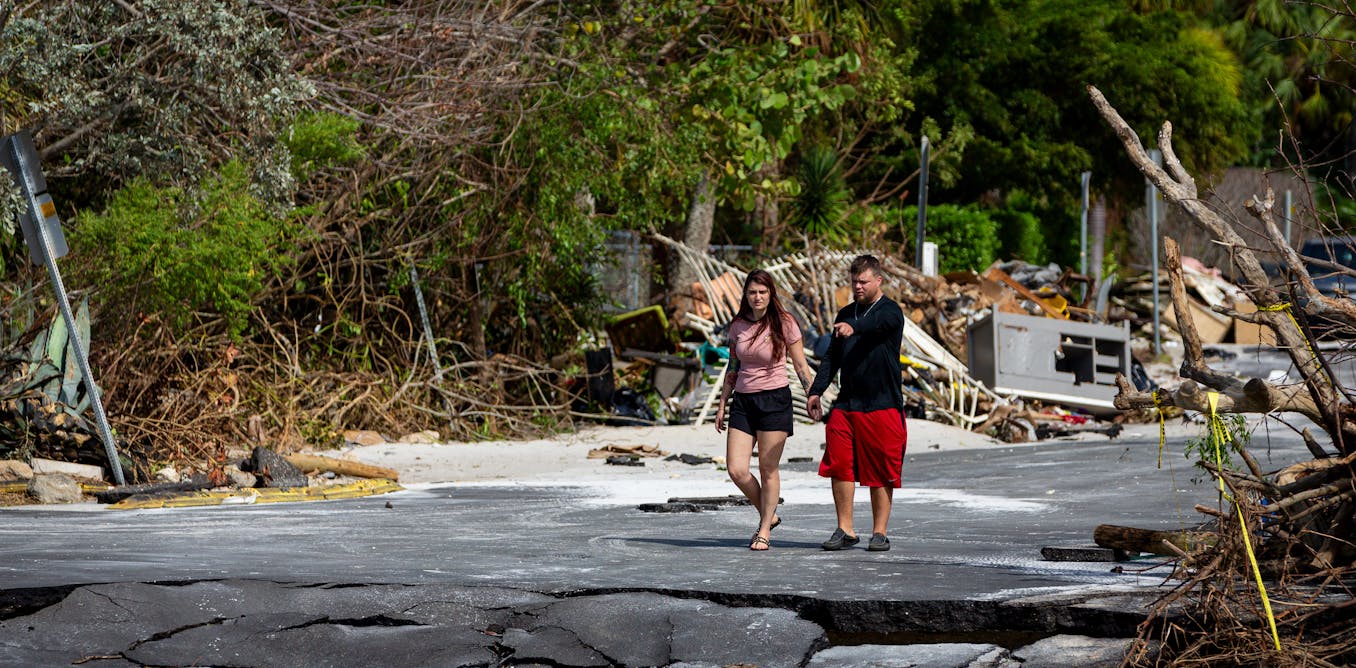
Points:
(263, 495)
(21, 486)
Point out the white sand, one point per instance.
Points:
(564, 459)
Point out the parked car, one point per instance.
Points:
(1337, 250)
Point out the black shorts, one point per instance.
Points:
(769, 410)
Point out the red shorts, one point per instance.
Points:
(865, 447)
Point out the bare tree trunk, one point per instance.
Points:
(701, 216)
(767, 213)
(475, 313)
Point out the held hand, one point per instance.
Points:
(842, 330)
(720, 419)
(813, 409)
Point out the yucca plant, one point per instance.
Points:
(819, 208)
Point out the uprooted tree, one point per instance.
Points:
(1299, 529)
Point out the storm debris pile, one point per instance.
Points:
(1018, 351)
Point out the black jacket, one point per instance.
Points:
(868, 360)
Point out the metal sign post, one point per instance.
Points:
(42, 233)
(1151, 210)
(922, 204)
(1084, 179)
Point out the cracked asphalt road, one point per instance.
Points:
(493, 573)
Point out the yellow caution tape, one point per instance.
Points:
(1222, 436)
(1285, 306)
(1162, 428)
(264, 495)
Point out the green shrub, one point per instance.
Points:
(318, 140)
(162, 250)
(1019, 235)
(966, 236)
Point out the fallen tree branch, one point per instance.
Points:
(1255, 396)
(1180, 189)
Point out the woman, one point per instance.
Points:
(762, 336)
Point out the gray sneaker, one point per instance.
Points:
(878, 543)
(839, 540)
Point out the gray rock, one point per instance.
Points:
(240, 478)
(945, 655)
(55, 488)
(275, 470)
(13, 469)
(1069, 651)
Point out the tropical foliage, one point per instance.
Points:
(490, 149)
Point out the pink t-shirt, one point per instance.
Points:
(758, 372)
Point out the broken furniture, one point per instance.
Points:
(1054, 360)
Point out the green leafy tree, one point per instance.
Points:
(161, 89)
(1299, 75)
(1016, 70)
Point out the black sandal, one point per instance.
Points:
(757, 540)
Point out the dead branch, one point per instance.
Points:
(1179, 188)
(1193, 361)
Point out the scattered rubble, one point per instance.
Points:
(690, 459)
(629, 451)
(1018, 351)
(296, 477)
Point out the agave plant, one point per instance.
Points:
(42, 397)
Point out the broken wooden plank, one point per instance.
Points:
(1152, 541)
(341, 467)
(996, 274)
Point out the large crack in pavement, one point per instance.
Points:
(865, 618)
(23, 602)
(374, 620)
(518, 624)
(835, 616)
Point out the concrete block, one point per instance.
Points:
(41, 466)
(940, 655)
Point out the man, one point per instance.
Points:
(866, 432)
